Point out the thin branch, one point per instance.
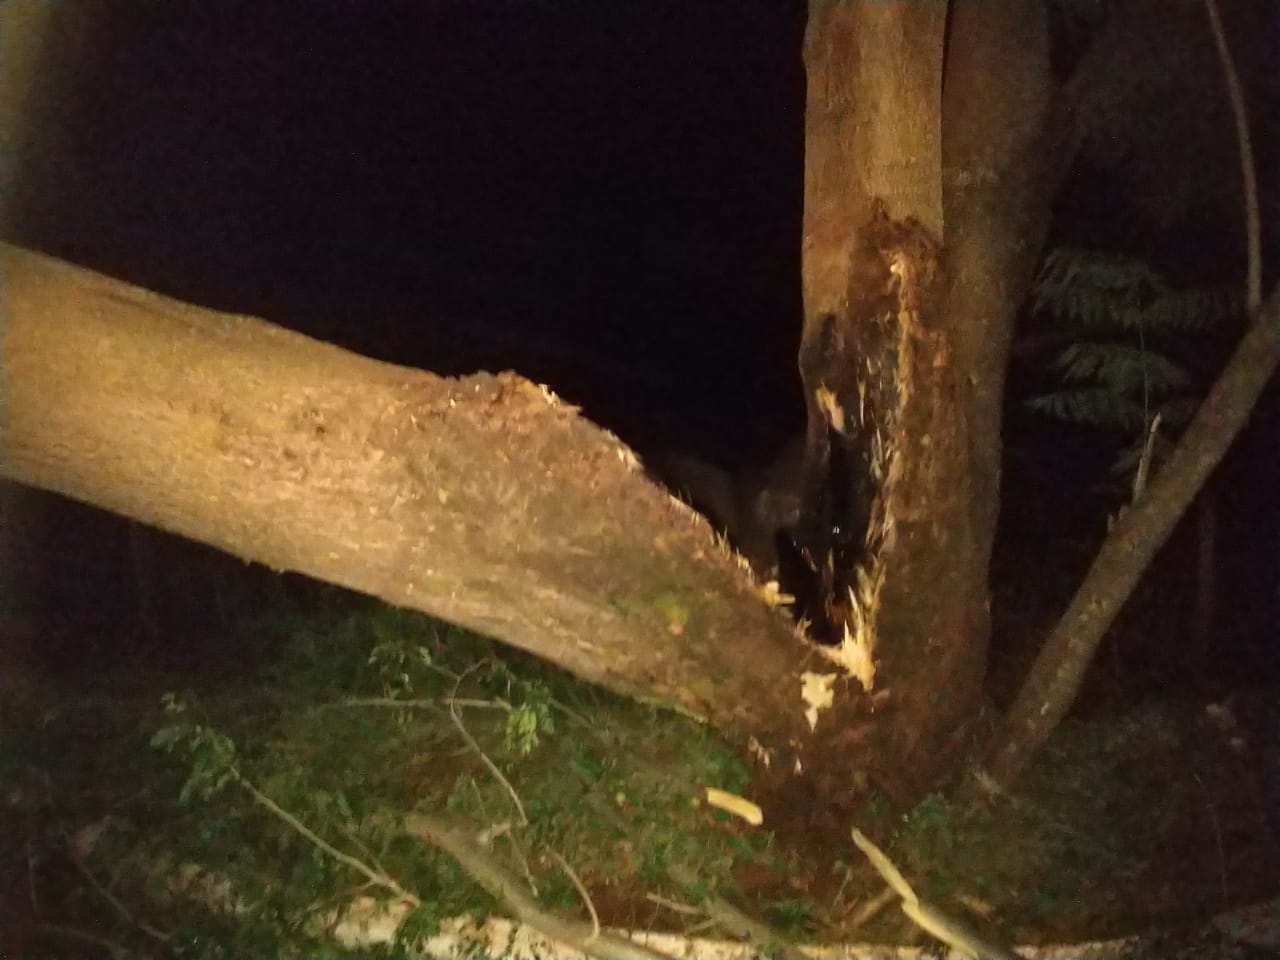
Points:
(480, 704)
(374, 877)
(415, 703)
(871, 909)
(71, 933)
(925, 915)
(1248, 172)
(484, 757)
(1217, 836)
(571, 713)
(493, 831)
(386, 703)
(354, 839)
(1144, 462)
(674, 906)
(31, 879)
(116, 903)
(730, 918)
(582, 892)
(500, 884)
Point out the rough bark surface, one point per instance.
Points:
(483, 501)
(925, 328)
(874, 75)
(911, 660)
(997, 190)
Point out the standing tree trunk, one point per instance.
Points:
(999, 182)
(920, 229)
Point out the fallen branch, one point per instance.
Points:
(501, 884)
(925, 915)
(734, 921)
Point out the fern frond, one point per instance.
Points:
(1203, 308)
(1097, 406)
(1121, 369)
(1115, 385)
(1098, 290)
(1094, 289)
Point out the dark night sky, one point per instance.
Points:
(617, 184)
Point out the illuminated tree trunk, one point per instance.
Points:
(483, 501)
(911, 283)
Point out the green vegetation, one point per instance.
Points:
(237, 815)
(1126, 368)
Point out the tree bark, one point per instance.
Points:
(998, 185)
(483, 501)
(920, 304)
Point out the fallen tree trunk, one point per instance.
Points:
(483, 501)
